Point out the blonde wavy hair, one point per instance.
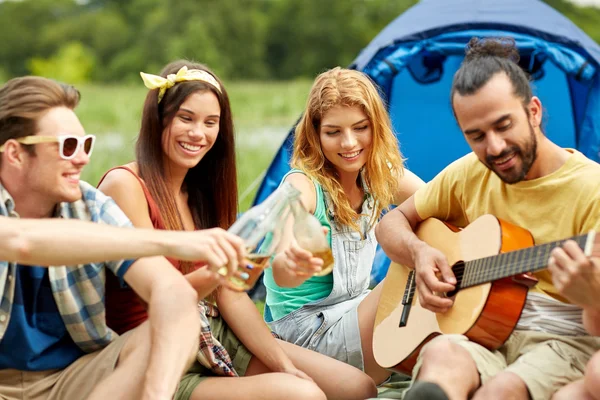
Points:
(346, 87)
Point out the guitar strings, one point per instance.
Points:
(541, 252)
(517, 266)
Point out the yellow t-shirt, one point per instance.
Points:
(557, 206)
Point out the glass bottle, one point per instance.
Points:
(265, 220)
(309, 235)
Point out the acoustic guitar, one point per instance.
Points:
(491, 260)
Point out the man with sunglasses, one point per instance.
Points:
(68, 145)
(54, 342)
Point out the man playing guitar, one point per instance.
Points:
(517, 174)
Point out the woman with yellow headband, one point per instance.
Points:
(185, 179)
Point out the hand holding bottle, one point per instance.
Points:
(302, 262)
(311, 244)
(265, 220)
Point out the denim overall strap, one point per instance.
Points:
(330, 326)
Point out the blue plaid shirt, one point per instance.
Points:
(78, 289)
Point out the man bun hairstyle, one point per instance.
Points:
(485, 58)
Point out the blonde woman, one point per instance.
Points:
(348, 167)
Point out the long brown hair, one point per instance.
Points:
(212, 183)
(384, 165)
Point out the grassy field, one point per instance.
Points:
(263, 114)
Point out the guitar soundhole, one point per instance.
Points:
(459, 271)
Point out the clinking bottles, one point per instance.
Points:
(267, 218)
(310, 236)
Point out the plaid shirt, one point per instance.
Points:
(78, 289)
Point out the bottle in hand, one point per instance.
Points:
(310, 236)
(265, 219)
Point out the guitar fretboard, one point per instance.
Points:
(517, 262)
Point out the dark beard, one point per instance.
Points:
(527, 155)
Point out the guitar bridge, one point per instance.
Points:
(407, 299)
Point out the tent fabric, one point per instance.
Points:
(429, 18)
(569, 61)
(413, 61)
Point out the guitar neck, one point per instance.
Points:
(531, 259)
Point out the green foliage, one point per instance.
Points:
(311, 35)
(72, 63)
(21, 25)
(585, 17)
(3, 75)
(238, 39)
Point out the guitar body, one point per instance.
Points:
(486, 314)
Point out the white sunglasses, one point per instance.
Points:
(69, 145)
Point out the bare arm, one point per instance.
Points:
(293, 265)
(174, 322)
(243, 318)
(219, 247)
(591, 320)
(395, 234)
(577, 277)
(66, 242)
(408, 184)
(172, 302)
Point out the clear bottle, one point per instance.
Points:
(265, 220)
(309, 235)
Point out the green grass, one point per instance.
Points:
(263, 113)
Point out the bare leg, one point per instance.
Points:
(332, 380)
(367, 310)
(127, 380)
(451, 367)
(269, 386)
(574, 390)
(337, 379)
(505, 385)
(592, 376)
(587, 388)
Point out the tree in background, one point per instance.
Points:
(240, 39)
(73, 63)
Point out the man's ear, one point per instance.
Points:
(14, 153)
(535, 112)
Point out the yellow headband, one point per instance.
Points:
(158, 82)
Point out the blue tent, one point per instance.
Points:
(414, 59)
